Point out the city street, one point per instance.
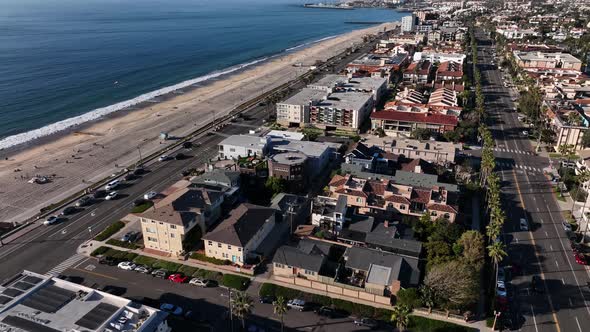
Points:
(544, 250)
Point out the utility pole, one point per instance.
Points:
(291, 211)
(231, 317)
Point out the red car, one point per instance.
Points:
(580, 259)
(178, 278)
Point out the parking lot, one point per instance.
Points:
(210, 304)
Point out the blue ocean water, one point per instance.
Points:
(61, 58)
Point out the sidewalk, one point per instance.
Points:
(479, 325)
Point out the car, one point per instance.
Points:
(524, 226)
(69, 210)
(142, 269)
(108, 260)
(112, 195)
(51, 220)
(566, 226)
(99, 194)
(501, 274)
(163, 157)
(366, 322)
(128, 266)
(568, 164)
(129, 177)
(178, 278)
(525, 133)
(83, 201)
(171, 308)
(160, 273)
(326, 312)
(138, 171)
(269, 299)
(150, 195)
(297, 304)
(187, 145)
(501, 289)
(179, 156)
(201, 282)
(139, 201)
(112, 185)
(129, 236)
(580, 259)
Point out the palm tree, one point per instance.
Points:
(400, 316)
(280, 309)
(242, 306)
(581, 178)
(496, 252)
(493, 231)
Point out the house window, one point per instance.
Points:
(309, 272)
(151, 239)
(153, 222)
(210, 243)
(219, 245)
(161, 223)
(359, 200)
(150, 230)
(173, 226)
(228, 247)
(402, 207)
(232, 150)
(209, 250)
(172, 235)
(239, 249)
(447, 216)
(280, 266)
(433, 213)
(143, 220)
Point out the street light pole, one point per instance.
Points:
(231, 317)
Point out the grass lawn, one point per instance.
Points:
(423, 324)
(557, 195)
(142, 207)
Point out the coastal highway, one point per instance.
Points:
(544, 250)
(45, 247)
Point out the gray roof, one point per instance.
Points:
(218, 176)
(304, 97)
(330, 81)
(365, 83)
(379, 275)
(361, 223)
(385, 237)
(310, 149)
(292, 256)
(350, 100)
(314, 247)
(341, 203)
(403, 268)
(248, 141)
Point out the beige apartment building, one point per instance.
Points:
(237, 238)
(167, 223)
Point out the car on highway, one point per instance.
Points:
(524, 225)
(83, 201)
(150, 195)
(501, 289)
(178, 278)
(69, 210)
(180, 156)
(566, 226)
(142, 269)
(187, 145)
(99, 193)
(202, 282)
(366, 322)
(51, 220)
(160, 273)
(297, 304)
(127, 266)
(163, 157)
(171, 308)
(138, 171)
(129, 177)
(112, 185)
(112, 195)
(580, 259)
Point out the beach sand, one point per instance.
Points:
(90, 153)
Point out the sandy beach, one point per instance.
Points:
(95, 151)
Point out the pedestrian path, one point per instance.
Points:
(514, 151)
(76, 258)
(511, 165)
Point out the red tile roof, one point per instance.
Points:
(440, 119)
(337, 180)
(441, 207)
(420, 196)
(375, 186)
(397, 199)
(357, 193)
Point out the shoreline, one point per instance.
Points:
(84, 154)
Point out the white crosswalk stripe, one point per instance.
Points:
(513, 151)
(66, 265)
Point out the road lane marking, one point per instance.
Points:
(551, 247)
(557, 264)
(96, 274)
(535, 319)
(569, 299)
(577, 322)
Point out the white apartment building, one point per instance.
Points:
(408, 23)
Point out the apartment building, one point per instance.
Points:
(401, 124)
(237, 146)
(547, 60)
(434, 151)
(449, 71)
(439, 57)
(569, 122)
(418, 72)
(376, 86)
(342, 110)
(408, 23)
(295, 110)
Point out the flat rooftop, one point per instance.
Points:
(37, 303)
(308, 148)
(545, 56)
(305, 96)
(350, 100)
(289, 158)
(365, 83)
(330, 81)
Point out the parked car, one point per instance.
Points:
(566, 226)
(171, 308)
(110, 261)
(142, 269)
(99, 193)
(160, 273)
(501, 289)
(69, 210)
(150, 195)
(269, 299)
(178, 278)
(112, 195)
(202, 282)
(163, 157)
(51, 220)
(580, 259)
(524, 226)
(83, 201)
(128, 266)
(129, 236)
(138, 171)
(501, 274)
(536, 284)
(326, 312)
(367, 322)
(297, 304)
(112, 185)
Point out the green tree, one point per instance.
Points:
(409, 297)
(279, 308)
(428, 297)
(455, 283)
(473, 248)
(421, 133)
(437, 252)
(242, 306)
(275, 185)
(586, 139)
(400, 316)
(497, 253)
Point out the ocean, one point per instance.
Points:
(65, 62)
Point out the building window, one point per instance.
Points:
(152, 239)
(433, 213)
(172, 235)
(228, 247)
(150, 230)
(232, 150)
(219, 245)
(210, 243)
(402, 207)
(447, 216)
(173, 226)
(280, 266)
(359, 200)
(239, 249)
(309, 272)
(161, 223)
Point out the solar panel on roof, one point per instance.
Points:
(12, 292)
(97, 316)
(4, 299)
(49, 299)
(32, 280)
(26, 325)
(22, 285)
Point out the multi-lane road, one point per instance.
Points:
(544, 250)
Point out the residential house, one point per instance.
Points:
(329, 212)
(569, 121)
(307, 260)
(418, 72)
(373, 159)
(401, 124)
(237, 146)
(449, 71)
(433, 57)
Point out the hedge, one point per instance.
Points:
(351, 308)
(122, 244)
(206, 274)
(212, 260)
(142, 207)
(109, 231)
(145, 260)
(99, 251)
(423, 324)
(187, 270)
(236, 282)
(168, 266)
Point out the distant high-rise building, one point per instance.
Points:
(408, 23)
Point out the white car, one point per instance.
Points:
(524, 225)
(112, 195)
(198, 282)
(501, 289)
(163, 157)
(525, 133)
(51, 220)
(127, 266)
(171, 308)
(150, 195)
(112, 185)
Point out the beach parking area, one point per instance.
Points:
(94, 151)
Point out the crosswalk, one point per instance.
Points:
(57, 270)
(513, 151)
(510, 165)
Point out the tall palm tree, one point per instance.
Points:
(242, 306)
(280, 309)
(496, 252)
(582, 177)
(400, 315)
(493, 230)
